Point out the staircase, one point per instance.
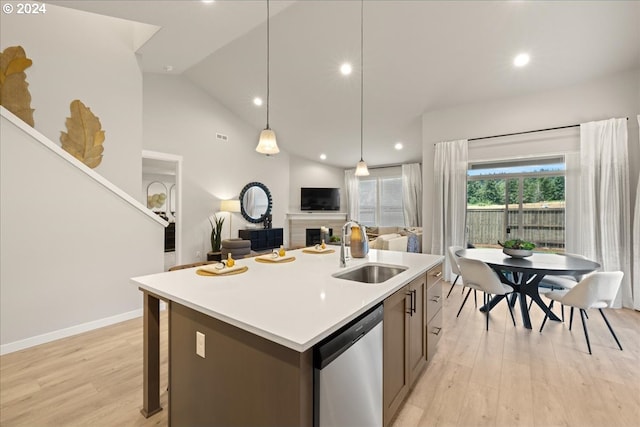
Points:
(70, 241)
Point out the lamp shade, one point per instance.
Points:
(267, 143)
(361, 169)
(232, 205)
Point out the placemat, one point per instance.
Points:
(314, 251)
(201, 272)
(278, 260)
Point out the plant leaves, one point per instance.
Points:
(216, 233)
(517, 244)
(14, 92)
(84, 137)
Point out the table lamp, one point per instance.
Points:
(230, 206)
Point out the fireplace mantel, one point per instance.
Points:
(299, 216)
(300, 221)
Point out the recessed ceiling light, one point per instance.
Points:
(257, 101)
(346, 69)
(398, 146)
(323, 156)
(521, 60)
(207, 1)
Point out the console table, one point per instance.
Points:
(262, 238)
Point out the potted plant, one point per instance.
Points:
(517, 248)
(216, 233)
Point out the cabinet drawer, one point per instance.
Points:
(434, 275)
(434, 333)
(434, 300)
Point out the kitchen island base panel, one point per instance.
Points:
(245, 380)
(151, 356)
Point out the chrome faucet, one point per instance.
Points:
(343, 260)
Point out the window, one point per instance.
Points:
(518, 199)
(381, 199)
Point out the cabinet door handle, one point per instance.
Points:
(436, 298)
(414, 302)
(410, 295)
(438, 274)
(436, 331)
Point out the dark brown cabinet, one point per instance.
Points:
(408, 337)
(434, 310)
(395, 354)
(405, 344)
(417, 331)
(262, 238)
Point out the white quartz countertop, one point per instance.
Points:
(295, 304)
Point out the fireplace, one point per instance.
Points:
(299, 222)
(313, 236)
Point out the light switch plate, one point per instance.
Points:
(200, 344)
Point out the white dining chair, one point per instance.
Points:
(565, 281)
(597, 290)
(479, 276)
(453, 261)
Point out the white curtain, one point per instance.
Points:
(450, 198)
(605, 220)
(573, 242)
(636, 243)
(353, 202)
(412, 195)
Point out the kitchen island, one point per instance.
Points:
(259, 329)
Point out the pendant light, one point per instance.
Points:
(267, 143)
(361, 168)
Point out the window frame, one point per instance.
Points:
(378, 175)
(520, 177)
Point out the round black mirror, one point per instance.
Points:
(255, 202)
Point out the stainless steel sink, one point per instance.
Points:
(371, 273)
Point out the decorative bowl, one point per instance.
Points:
(517, 253)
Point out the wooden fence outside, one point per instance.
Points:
(542, 226)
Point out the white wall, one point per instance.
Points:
(79, 55)
(306, 173)
(181, 118)
(612, 96)
(69, 246)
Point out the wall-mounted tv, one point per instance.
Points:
(320, 199)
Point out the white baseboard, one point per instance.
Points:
(73, 330)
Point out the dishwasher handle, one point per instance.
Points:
(357, 338)
(337, 343)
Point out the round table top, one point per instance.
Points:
(546, 263)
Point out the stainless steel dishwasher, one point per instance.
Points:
(348, 374)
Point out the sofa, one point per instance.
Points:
(395, 238)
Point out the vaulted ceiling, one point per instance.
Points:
(419, 56)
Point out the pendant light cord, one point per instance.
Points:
(268, 64)
(361, 77)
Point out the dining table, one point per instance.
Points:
(525, 274)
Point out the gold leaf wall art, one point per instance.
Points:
(84, 136)
(14, 92)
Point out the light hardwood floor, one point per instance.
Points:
(506, 377)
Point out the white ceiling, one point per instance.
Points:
(419, 56)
